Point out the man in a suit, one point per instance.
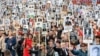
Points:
(64, 50)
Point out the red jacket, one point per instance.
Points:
(28, 46)
(26, 52)
(80, 33)
(97, 32)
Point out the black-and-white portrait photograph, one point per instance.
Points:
(48, 17)
(24, 21)
(38, 29)
(25, 26)
(68, 28)
(44, 26)
(25, 30)
(39, 24)
(39, 20)
(94, 50)
(15, 17)
(87, 35)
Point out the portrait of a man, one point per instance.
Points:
(94, 50)
(23, 22)
(87, 33)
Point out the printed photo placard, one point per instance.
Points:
(23, 21)
(94, 50)
(48, 17)
(44, 26)
(67, 24)
(87, 35)
(39, 24)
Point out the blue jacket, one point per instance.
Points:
(10, 43)
(80, 53)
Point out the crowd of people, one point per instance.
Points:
(49, 28)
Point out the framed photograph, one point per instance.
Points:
(44, 26)
(48, 17)
(31, 15)
(87, 34)
(38, 29)
(25, 28)
(15, 18)
(39, 24)
(40, 20)
(68, 28)
(94, 50)
(43, 8)
(48, 25)
(67, 24)
(23, 21)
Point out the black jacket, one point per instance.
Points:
(61, 52)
